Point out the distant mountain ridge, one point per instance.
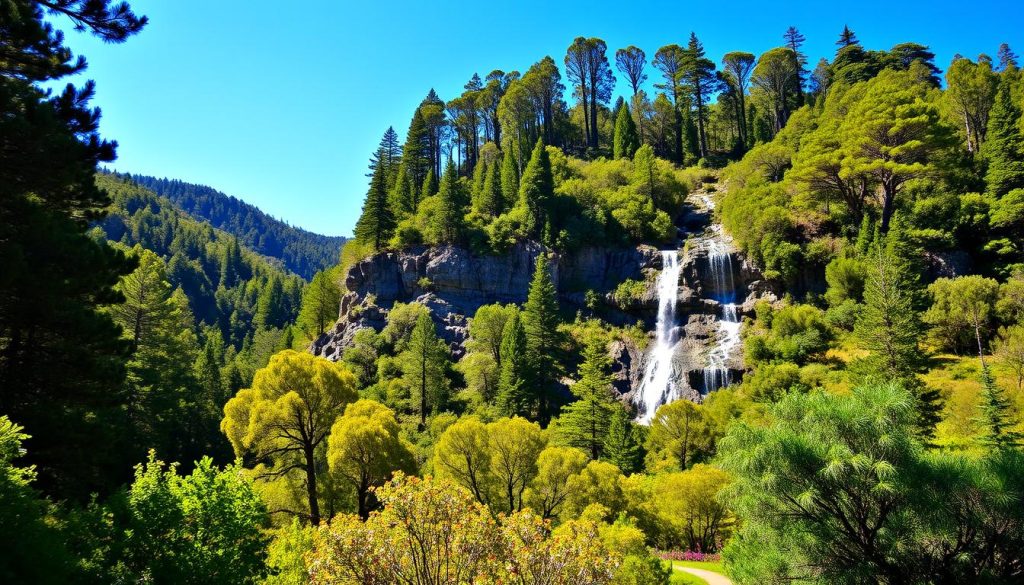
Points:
(303, 252)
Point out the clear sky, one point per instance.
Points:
(281, 103)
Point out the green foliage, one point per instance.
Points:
(540, 322)
(424, 368)
(995, 415)
(962, 312)
(845, 278)
(206, 527)
(1004, 145)
(447, 226)
(287, 414)
(514, 397)
(320, 303)
(536, 188)
(623, 445)
(626, 141)
(286, 562)
(365, 449)
(302, 252)
(840, 486)
(797, 333)
(377, 221)
(25, 534)
(585, 423)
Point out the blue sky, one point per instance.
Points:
(281, 103)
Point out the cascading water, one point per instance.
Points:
(717, 373)
(659, 384)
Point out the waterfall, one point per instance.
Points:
(716, 373)
(659, 385)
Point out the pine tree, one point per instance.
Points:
(645, 173)
(509, 177)
(700, 81)
(424, 366)
(540, 320)
(448, 222)
(231, 264)
(584, 423)
(270, 308)
(320, 302)
(402, 196)
(995, 415)
(889, 326)
(416, 154)
(429, 187)
(536, 189)
(847, 38)
(477, 185)
(626, 141)
(795, 40)
(1004, 145)
(513, 395)
(623, 446)
(377, 223)
(492, 202)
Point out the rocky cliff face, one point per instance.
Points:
(453, 282)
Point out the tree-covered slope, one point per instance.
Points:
(302, 252)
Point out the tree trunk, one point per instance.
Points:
(314, 504)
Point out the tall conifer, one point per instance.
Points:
(377, 222)
(1004, 146)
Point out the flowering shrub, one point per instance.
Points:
(689, 555)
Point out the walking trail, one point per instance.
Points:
(711, 577)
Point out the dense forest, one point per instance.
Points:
(162, 418)
(302, 252)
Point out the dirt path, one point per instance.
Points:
(711, 577)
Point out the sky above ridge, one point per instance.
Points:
(281, 104)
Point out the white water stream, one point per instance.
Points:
(716, 372)
(659, 385)
(661, 381)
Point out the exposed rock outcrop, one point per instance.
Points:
(453, 282)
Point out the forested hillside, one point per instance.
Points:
(856, 228)
(301, 251)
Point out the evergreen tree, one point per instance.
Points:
(492, 202)
(847, 38)
(388, 157)
(995, 415)
(626, 140)
(584, 423)
(622, 445)
(424, 366)
(449, 220)
(700, 81)
(1004, 145)
(270, 306)
(540, 320)
(377, 222)
(160, 382)
(795, 40)
(536, 190)
(416, 155)
(402, 196)
(509, 178)
(513, 394)
(477, 185)
(889, 325)
(320, 303)
(231, 266)
(645, 173)
(1007, 58)
(430, 186)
